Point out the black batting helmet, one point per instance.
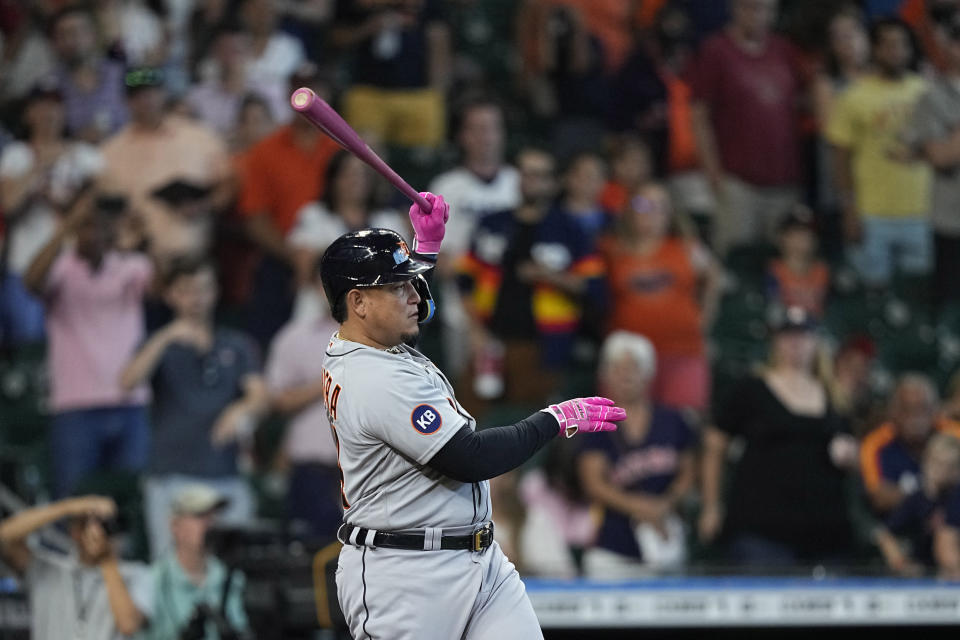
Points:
(370, 258)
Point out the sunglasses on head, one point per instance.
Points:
(139, 78)
(641, 204)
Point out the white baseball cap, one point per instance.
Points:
(197, 500)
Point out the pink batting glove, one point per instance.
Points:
(429, 227)
(586, 414)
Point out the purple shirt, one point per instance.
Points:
(94, 325)
(105, 107)
(296, 359)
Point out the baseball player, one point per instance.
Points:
(419, 560)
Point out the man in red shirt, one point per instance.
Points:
(746, 88)
(282, 172)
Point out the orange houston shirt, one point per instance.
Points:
(807, 290)
(655, 295)
(279, 177)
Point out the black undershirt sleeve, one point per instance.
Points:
(472, 456)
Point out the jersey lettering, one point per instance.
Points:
(330, 396)
(330, 399)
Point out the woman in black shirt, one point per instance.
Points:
(786, 503)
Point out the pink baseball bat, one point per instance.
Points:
(322, 116)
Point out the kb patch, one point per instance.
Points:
(425, 419)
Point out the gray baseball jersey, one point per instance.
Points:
(391, 411)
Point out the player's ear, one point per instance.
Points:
(356, 303)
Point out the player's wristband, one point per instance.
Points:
(426, 248)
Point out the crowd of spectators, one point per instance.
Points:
(631, 184)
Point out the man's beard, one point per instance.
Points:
(410, 339)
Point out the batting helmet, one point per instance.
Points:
(370, 258)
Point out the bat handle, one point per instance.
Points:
(420, 201)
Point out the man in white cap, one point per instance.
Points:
(193, 589)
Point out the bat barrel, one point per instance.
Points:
(320, 114)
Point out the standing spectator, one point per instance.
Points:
(923, 512)
(155, 149)
(134, 29)
(281, 173)
(665, 287)
(884, 192)
(28, 56)
(254, 122)
(640, 474)
(296, 391)
(196, 595)
(236, 257)
(890, 454)
(798, 278)
(562, 71)
(609, 21)
(786, 504)
(87, 593)
(483, 183)
(652, 93)
(934, 131)
(217, 100)
(583, 181)
(207, 395)
(847, 59)
(631, 168)
(39, 177)
(347, 204)
(748, 74)
(528, 273)
(92, 85)
(276, 55)
(401, 70)
(93, 293)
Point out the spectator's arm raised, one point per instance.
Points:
(15, 530)
(35, 278)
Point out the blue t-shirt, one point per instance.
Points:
(917, 517)
(952, 508)
(190, 390)
(649, 466)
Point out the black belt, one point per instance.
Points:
(476, 541)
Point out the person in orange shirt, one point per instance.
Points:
(798, 278)
(282, 173)
(665, 287)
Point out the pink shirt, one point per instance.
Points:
(94, 325)
(296, 359)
